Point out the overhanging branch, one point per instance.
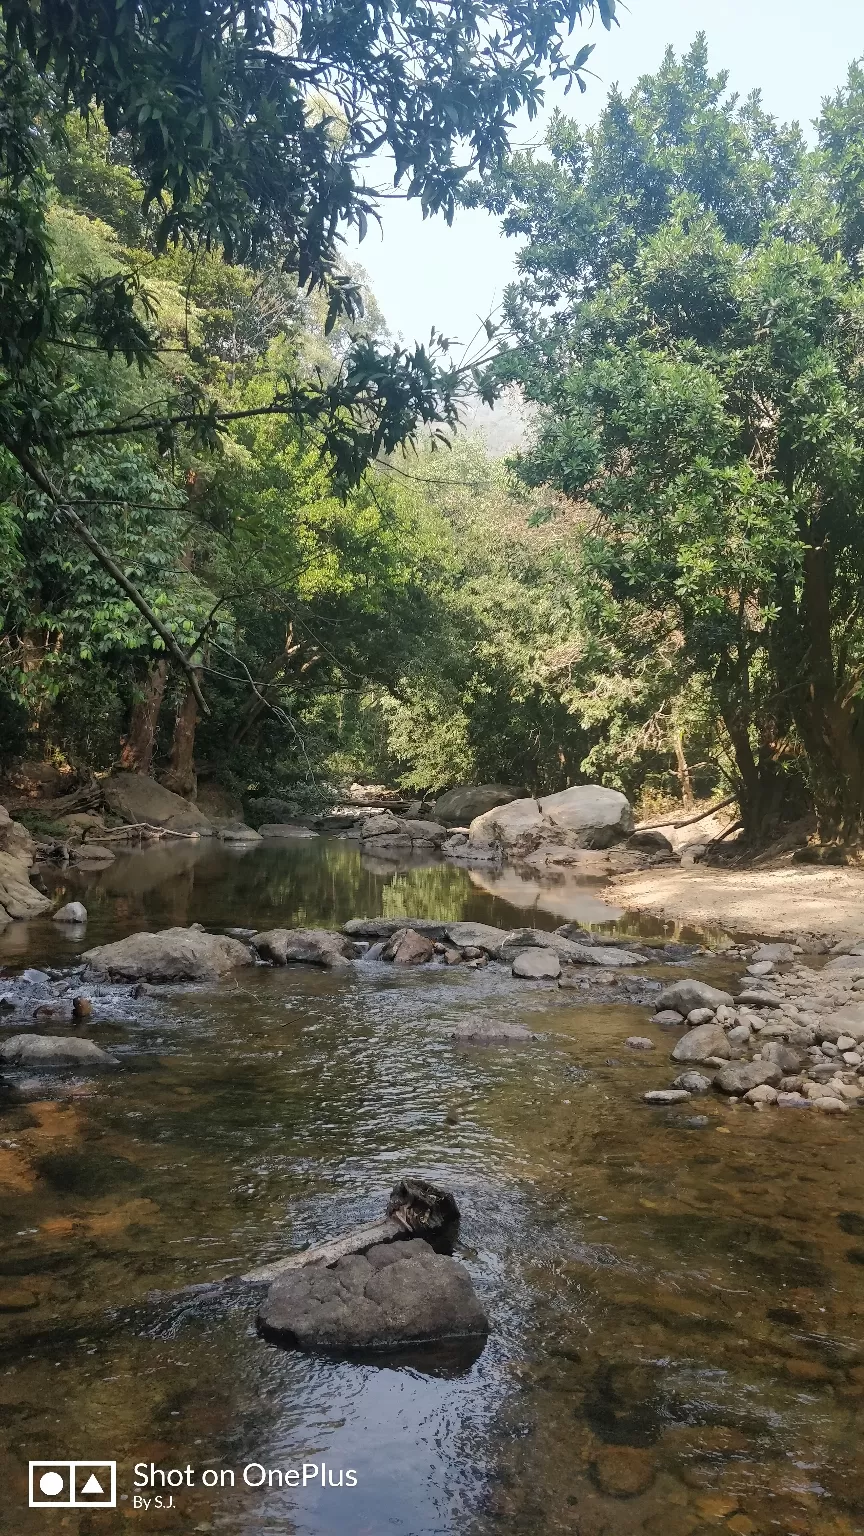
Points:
(67, 512)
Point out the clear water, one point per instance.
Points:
(677, 1313)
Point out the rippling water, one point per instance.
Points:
(677, 1313)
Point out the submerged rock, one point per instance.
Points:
(694, 1082)
(53, 1051)
(394, 1294)
(666, 1096)
(491, 1034)
(306, 946)
(175, 954)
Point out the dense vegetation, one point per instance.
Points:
(212, 546)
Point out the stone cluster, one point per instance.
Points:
(793, 1037)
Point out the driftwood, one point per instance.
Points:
(657, 826)
(415, 1209)
(88, 797)
(143, 829)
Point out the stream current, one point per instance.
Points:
(676, 1309)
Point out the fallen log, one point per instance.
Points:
(416, 1208)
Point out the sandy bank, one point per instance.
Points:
(766, 903)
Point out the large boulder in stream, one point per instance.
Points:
(18, 898)
(175, 954)
(586, 816)
(306, 946)
(394, 1294)
(687, 994)
(53, 1051)
(137, 799)
(460, 806)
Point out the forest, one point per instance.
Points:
(242, 532)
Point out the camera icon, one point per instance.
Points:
(73, 1484)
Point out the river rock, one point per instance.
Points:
(666, 1096)
(462, 805)
(739, 1034)
(755, 997)
(18, 898)
(537, 964)
(585, 816)
(73, 912)
(694, 1082)
(699, 1044)
(385, 927)
(650, 840)
(238, 832)
(741, 1076)
(700, 1016)
(492, 1034)
(53, 1051)
(763, 1093)
(639, 1043)
(306, 946)
(394, 1294)
(761, 968)
(475, 936)
(409, 948)
(687, 994)
(669, 1018)
(425, 833)
(786, 1058)
(792, 1100)
(848, 1020)
(285, 830)
(136, 798)
(779, 955)
(175, 954)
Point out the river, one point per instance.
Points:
(677, 1313)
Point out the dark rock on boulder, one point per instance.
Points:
(650, 840)
(457, 807)
(306, 946)
(394, 1294)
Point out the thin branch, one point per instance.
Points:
(31, 468)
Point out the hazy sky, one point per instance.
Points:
(796, 51)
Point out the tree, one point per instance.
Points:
(689, 320)
(248, 130)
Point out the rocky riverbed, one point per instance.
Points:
(673, 1300)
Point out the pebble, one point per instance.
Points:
(639, 1043)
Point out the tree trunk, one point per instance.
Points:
(826, 704)
(683, 771)
(137, 753)
(180, 776)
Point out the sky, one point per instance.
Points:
(796, 51)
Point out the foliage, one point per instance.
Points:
(689, 321)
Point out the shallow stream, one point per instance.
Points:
(677, 1340)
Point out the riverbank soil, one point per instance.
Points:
(794, 901)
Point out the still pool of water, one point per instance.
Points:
(677, 1313)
